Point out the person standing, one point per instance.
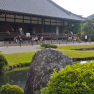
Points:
(85, 38)
(19, 30)
(34, 31)
(89, 38)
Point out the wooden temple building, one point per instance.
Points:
(43, 15)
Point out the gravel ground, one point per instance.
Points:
(30, 48)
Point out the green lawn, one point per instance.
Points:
(26, 57)
(16, 58)
(76, 53)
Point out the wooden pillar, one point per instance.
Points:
(51, 31)
(42, 27)
(50, 27)
(68, 28)
(31, 19)
(23, 22)
(5, 17)
(14, 18)
(63, 29)
(23, 18)
(81, 31)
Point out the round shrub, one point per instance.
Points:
(2, 58)
(73, 79)
(48, 45)
(3, 62)
(43, 44)
(54, 46)
(11, 89)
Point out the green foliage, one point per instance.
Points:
(1, 65)
(2, 58)
(91, 16)
(89, 27)
(73, 79)
(75, 28)
(48, 45)
(11, 89)
(3, 62)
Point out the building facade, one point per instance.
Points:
(43, 15)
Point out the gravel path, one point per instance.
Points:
(29, 48)
(16, 49)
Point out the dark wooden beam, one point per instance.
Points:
(14, 18)
(5, 17)
(30, 19)
(63, 29)
(23, 18)
(42, 27)
(68, 28)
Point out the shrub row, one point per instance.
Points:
(73, 79)
(11, 89)
(48, 45)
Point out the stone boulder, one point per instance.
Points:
(42, 66)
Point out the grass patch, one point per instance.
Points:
(40, 47)
(76, 53)
(18, 69)
(16, 58)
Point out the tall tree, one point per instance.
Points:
(89, 27)
(76, 28)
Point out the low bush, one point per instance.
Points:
(73, 79)
(3, 62)
(11, 89)
(2, 58)
(48, 45)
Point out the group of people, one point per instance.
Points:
(17, 39)
(87, 38)
(35, 39)
(74, 38)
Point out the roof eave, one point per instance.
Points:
(29, 14)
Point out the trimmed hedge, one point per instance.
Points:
(11, 89)
(73, 79)
(48, 45)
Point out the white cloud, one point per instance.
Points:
(79, 7)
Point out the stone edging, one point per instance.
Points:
(17, 66)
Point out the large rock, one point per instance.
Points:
(42, 66)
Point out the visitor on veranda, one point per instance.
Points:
(34, 31)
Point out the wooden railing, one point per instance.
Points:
(4, 36)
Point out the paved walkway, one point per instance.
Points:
(30, 48)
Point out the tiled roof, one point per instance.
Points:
(39, 7)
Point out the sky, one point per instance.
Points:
(79, 7)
